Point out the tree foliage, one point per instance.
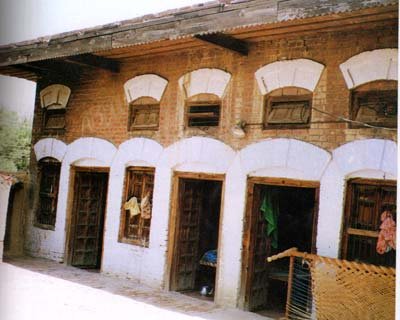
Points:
(15, 140)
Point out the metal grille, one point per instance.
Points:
(367, 202)
(139, 183)
(203, 116)
(48, 193)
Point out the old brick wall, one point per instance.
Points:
(98, 107)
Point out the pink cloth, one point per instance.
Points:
(387, 235)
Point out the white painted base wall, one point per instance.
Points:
(5, 188)
(286, 158)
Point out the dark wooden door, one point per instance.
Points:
(259, 251)
(88, 218)
(185, 259)
(296, 218)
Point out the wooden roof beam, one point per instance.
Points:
(226, 42)
(91, 60)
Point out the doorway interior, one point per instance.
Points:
(87, 224)
(292, 207)
(195, 240)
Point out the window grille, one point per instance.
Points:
(135, 226)
(49, 173)
(365, 204)
(203, 115)
(144, 117)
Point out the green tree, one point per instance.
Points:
(15, 140)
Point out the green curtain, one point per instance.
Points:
(270, 212)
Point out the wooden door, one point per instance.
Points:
(88, 218)
(185, 259)
(296, 221)
(259, 251)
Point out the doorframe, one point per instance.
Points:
(70, 217)
(248, 226)
(174, 216)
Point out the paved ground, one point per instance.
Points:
(32, 288)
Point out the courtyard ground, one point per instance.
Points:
(32, 288)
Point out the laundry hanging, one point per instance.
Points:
(270, 212)
(145, 206)
(387, 235)
(133, 207)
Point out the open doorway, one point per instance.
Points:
(281, 215)
(195, 240)
(86, 243)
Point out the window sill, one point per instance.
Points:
(285, 126)
(138, 243)
(44, 226)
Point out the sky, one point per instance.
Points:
(29, 19)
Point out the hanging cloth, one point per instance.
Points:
(145, 206)
(133, 207)
(270, 213)
(387, 235)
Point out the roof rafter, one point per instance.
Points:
(91, 60)
(226, 42)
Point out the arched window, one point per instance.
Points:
(143, 94)
(203, 90)
(372, 78)
(288, 87)
(54, 99)
(49, 176)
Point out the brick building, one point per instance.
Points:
(159, 139)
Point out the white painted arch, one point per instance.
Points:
(134, 152)
(146, 85)
(284, 158)
(84, 152)
(206, 80)
(195, 154)
(302, 73)
(369, 66)
(50, 147)
(41, 242)
(198, 154)
(90, 152)
(369, 158)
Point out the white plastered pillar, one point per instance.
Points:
(370, 159)
(5, 187)
(42, 242)
(283, 158)
(198, 155)
(121, 258)
(83, 152)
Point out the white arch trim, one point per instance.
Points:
(370, 158)
(368, 154)
(146, 85)
(213, 81)
(101, 151)
(192, 152)
(137, 150)
(303, 73)
(288, 158)
(50, 147)
(369, 66)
